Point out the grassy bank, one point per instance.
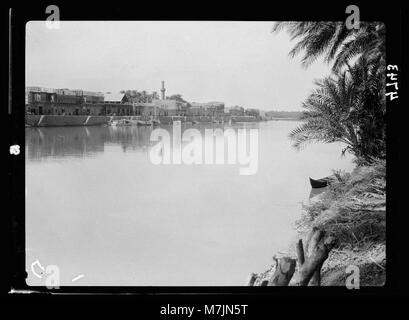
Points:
(353, 210)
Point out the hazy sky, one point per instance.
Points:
(239, 63)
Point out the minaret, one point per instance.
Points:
(163, 90)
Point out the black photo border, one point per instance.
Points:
(391, 15)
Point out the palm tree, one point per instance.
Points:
(335, 41)
(346, 107)
(155, 95)
(368, 42)
(177, 97)
(326, 115)
(137, 96)
(350, 105)
(370, 113)
(144, 96)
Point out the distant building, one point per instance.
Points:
(236, 111)
(65, 92)
(197, 110)
(115, 98)
(164, 107)
(64, 101)
(40, 102)
(168, 107)
(144, 109)
(91, 102)
(208, 109)
(45, 101)
(252, 112)
(34, 89)
(117, 104)
(89, 96)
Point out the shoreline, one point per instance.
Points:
(94, 120)
(284, 119)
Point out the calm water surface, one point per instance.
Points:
(96, 206)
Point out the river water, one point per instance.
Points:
(104, 214)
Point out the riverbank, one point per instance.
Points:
(284, 119)
(353, 210)
(93, 120)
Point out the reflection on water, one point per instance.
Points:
(82, 141)
(97, 206)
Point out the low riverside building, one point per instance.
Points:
(47, 101)
(116, 104)
(144, 109)
(164, 106)
(89, 96)
(89, 102)
(197, 110)
(108, 104)
(169, 107)
(239, 114)
(41, 102)
(208, 109)
(53, 102)
(67, 104)
(252, 113)
(236, 111)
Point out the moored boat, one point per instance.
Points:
(144, 122)
(120, 123)
(321, 183)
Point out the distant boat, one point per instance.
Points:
(321, 183)
(144, 123)
(120, 123)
